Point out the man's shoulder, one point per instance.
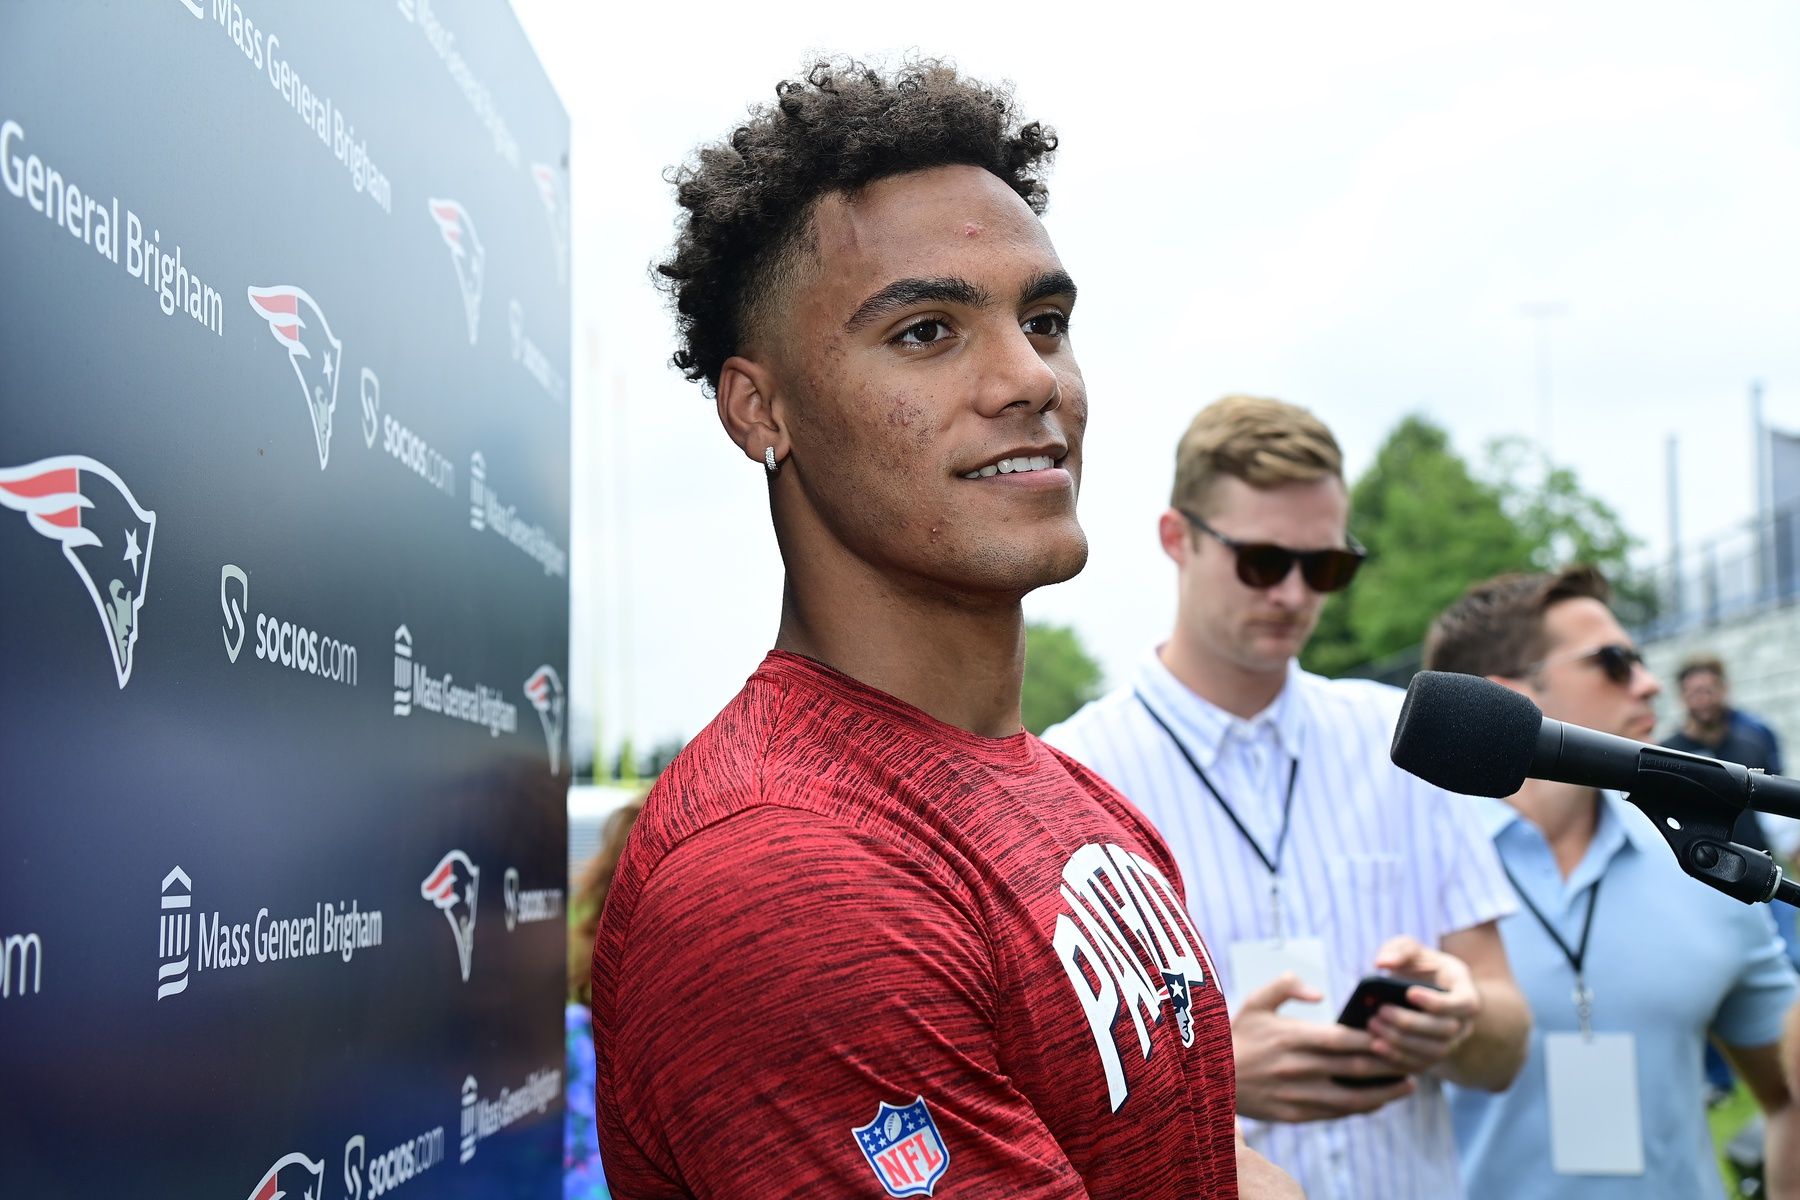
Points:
(1357, 713)
(721, 770)
(1348, 692)
(1679, 740)
(1752, 722)
(1105, 735)
(1107, 712)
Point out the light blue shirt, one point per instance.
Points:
(1669, 961)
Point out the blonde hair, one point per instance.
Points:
(1263, 442)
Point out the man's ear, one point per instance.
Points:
(749, 410)
(1172, 532)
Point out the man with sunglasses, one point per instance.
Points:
(1630, 967)
(1310, 859)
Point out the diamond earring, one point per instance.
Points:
(769, 459)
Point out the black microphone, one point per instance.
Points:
(1470, 735)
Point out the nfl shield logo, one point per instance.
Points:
(904, 1148)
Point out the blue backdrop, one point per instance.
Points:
(284, 531)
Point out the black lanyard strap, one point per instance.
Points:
(1287, 804)
(1577, 956)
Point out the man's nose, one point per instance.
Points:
(1292, 592)
(1014, 374)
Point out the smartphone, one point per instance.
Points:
(1373, 991)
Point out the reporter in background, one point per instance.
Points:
(1711, 726)
(1629, 966)
(1309, 857)
(583, 1176)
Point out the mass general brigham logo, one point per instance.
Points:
(904, 1148)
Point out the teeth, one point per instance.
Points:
(1010, 466)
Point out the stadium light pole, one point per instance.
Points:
(1541, 314)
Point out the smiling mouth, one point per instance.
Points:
(1014, 466)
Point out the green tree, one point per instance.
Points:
(1432, 528)
(1060, 676)
(1563, 523)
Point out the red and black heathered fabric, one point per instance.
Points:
(832, 901)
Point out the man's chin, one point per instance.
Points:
(1275, 649)
(1053, 569)
(1008, 573)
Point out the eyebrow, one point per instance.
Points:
(947, 289)
(1046, 284)
(951, 289)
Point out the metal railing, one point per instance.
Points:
(1751, 567)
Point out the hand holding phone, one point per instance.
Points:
(1373, 991)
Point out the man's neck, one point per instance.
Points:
(960, 661)
(1711, 735)
(1227, 685)
(1566, 814)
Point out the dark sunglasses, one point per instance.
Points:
(1264, 564)
(1616, 662)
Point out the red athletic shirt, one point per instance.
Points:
(852, 951)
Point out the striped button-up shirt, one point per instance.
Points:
(1371, 852)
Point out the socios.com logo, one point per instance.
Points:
(280, 641)
(234, 600)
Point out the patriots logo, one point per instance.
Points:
(451, 886)
(1175, 983)
(545, 691)
(465, 252)
(296, 322)
(295, 1177)
(105, 533)
(549, 186)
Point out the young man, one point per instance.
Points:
(1629, 965)
(869, 937)
(1310, 860)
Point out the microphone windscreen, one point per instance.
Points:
(1466, 734)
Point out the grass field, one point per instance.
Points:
(1725, 1120)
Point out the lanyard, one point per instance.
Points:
(1584, 995)
(1272, 863)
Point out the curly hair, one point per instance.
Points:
(749, 199)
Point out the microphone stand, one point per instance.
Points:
(1694, 802)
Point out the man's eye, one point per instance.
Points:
(1049, 324)
(923, 333)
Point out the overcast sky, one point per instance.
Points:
(1348, 207)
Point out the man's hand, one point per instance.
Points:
(1260, 1179)
(1285, 1067)
(1415, 1041)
